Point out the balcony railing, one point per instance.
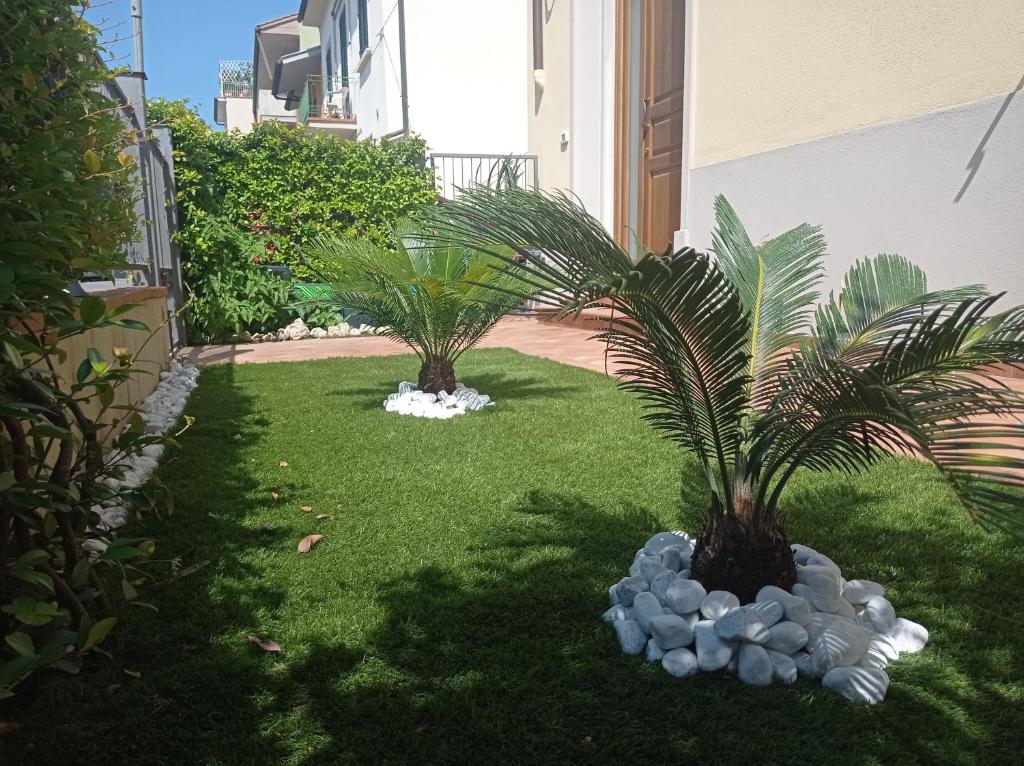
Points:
(236, 79)
(325, 98)
(455, 172)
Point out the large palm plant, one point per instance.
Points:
(437, 297)
(725, 356)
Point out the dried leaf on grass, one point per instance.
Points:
(306, 543)
(266, 645)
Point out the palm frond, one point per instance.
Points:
(431, 292)
(680, 341)
(925, 393)
(777, 282)
(680, 331)
(879, 297)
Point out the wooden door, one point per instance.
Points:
(661, 123)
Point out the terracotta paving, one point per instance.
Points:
(569, 345)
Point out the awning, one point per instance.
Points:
(220, 111)
(291, 72)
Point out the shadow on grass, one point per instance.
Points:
(503, 658)
(182, 685)
(508, 662)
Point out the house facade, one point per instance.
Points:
(460, 62)
(899, 127)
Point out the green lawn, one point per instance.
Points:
(451, 613)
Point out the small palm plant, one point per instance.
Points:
(728, 363)
(437, 297)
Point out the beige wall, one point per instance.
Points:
(152, 354)
(549, 110)
(773, 73)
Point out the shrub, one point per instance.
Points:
(283, 188)
(65, 207)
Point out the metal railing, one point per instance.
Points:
(236, 78)
(325, 98)
(455, 172)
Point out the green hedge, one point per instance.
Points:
(279, 187)
(66, 206)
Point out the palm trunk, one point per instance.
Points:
(741, 554)
(436, 375)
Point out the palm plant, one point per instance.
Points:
(733, 362)
(437, 297)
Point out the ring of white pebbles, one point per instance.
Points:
(160, 411)
(844, 632)
(442, 406)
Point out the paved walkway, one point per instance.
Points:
(569, 345)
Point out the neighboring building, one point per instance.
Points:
(899, 127)
(463, 63)
(246, 87)
(233, 107)
(274, 39)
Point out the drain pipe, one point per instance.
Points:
(137, 30)
(403, 75)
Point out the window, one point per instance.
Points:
(330, 66)
(364, 26)
(343, 48)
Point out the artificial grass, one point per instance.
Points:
(451, 612)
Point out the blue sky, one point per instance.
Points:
(184, 40)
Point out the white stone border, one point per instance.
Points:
(160, 411)
(443, 406)
(844, 632)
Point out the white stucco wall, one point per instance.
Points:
(945, 190)
(270, 108)
(238, 114)
(592, 116)
(464, 60)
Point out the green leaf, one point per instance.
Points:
(91, 309)
(98, 632)
(31, 611)
(31, 576)
(13, 670)
(31, 559)
(21, 643)
(130, 594)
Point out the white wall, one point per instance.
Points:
(592, 120)
(270, 108)
(464, 59)
(465, 62)
(238, 114)
(943, 190)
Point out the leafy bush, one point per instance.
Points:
(733, 363)
(237, 295)
(65, 207)
(282, 187)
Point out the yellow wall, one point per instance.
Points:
(772, 73)
(549, 111)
